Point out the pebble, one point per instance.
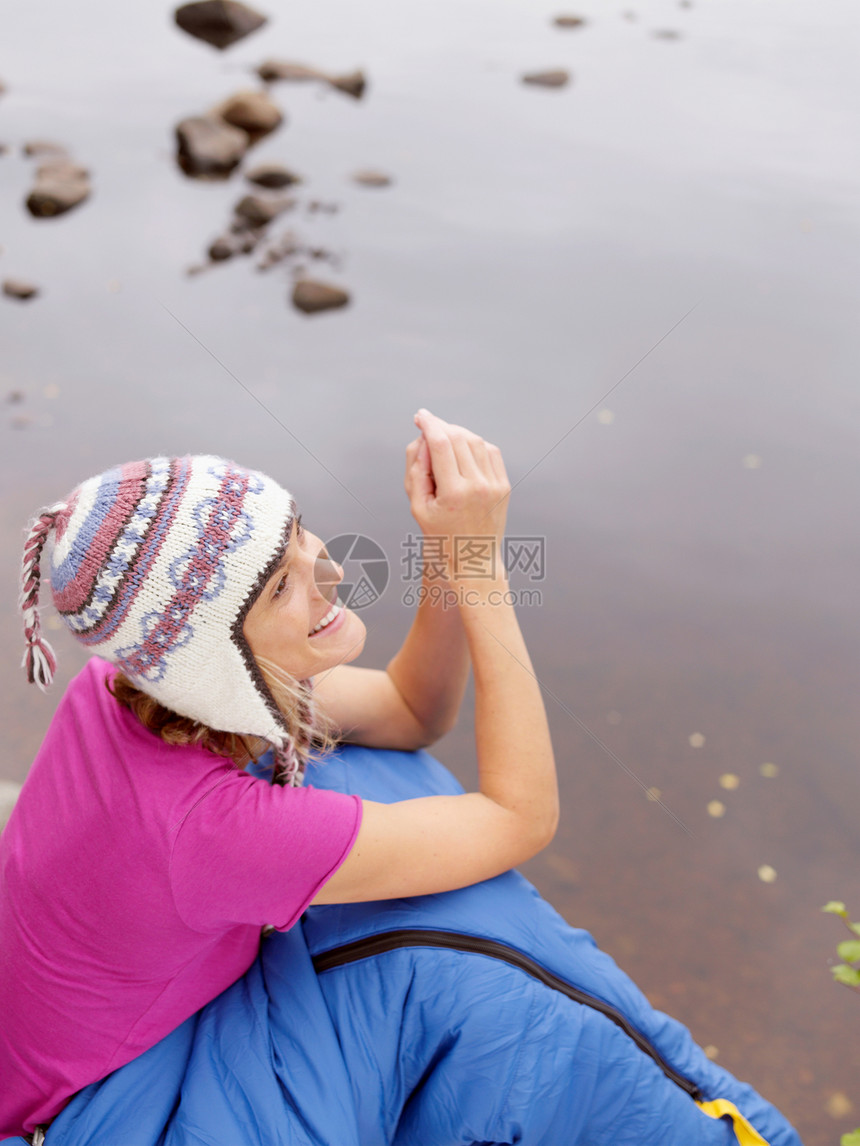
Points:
(554, 78)
(218, 22)
(271, 70)
(19, 288)
(350, 83)
(310, 296)
(259, 211)
(60, 186)
(208, 148)
(252, 111)
(39, 148)
(370, 178)
(570, 21)
(272, 175)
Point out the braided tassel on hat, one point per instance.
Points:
(39, 660)
(292, 759)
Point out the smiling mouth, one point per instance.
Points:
(333, 612)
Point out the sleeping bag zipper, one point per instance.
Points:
(454, 941)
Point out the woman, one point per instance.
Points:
(140, 863)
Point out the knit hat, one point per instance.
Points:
(154, 566)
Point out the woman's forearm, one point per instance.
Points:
(431, 669)
(515, 757)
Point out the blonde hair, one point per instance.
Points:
(309, 731)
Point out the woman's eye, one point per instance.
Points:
(281, 586)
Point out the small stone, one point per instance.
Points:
(208, 148)
(310, 296)
(696, 740)
(19, 288)
(251, 111)
(271, 70)
(554, 78)
(769, 770)
(258, 211)
(221, 249)
(351, 83)
(371, 178)
(39, 148)
(218, 22)
(569, 21)
(766, 873)
(60, 186)
(729, 781)
(272, 175)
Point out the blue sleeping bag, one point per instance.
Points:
(477, 1017)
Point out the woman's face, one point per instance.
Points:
(285, 623)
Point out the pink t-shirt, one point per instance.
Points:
(134, 880)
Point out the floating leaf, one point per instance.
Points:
(842, 973)
(716, 808)
(849, 950)
(836, 907)
(729, 781)
(852, 1138)
(766, 873)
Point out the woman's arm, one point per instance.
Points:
(415, 700)
(442, 842)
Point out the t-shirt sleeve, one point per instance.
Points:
(253, 853)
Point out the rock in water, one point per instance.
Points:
(18, 288)
(60, 185)
(569, 21)
(555, 78)
(310, 296)
(271, 70)
(272, 175)
(44, 149)
(218, 22)
(352, 83)
(258, 211)
(368, 178)
(253, 112)
(208, 148)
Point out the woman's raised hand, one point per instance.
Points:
(456, 482)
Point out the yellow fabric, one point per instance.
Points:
(745, 1133)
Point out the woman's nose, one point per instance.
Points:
(326, 573)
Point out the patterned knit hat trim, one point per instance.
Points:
(155, 565)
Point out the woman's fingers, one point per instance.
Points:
(469, 449)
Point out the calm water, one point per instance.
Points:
(701, 545)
